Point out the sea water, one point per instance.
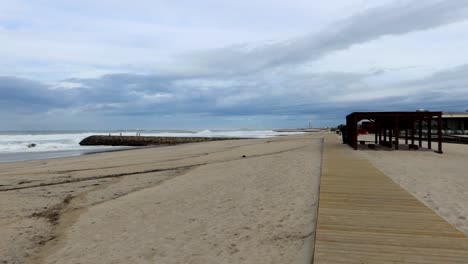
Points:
(18, 145)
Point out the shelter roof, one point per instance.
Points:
(377, 115)
(455, 115)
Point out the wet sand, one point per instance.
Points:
(242, 201)
(42, 155)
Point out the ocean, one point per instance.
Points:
(16, 145)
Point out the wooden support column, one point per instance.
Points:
(397, 133)
(420, 132)
(439, 133)
(348, 131)
(355, 139)
(380, 133)
(384, 134)
(429, 133)
(462, 127)
(446, 127)
(406, 136)
(376, 131)
(413, 131)
(390, 136)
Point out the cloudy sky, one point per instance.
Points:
(161, 64)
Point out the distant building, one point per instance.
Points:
(455, 123)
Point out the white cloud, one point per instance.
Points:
(66, 85)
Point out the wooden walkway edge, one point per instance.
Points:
(365, 217)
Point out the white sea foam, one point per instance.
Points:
(49, 142)
(18, 143)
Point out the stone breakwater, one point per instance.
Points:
(144, 141)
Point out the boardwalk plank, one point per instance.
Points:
(365, 217)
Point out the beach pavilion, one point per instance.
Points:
(389, 127)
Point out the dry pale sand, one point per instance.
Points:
(438, 180)
(194, 203)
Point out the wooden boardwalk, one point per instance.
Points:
(365, 217)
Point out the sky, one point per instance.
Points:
(259, 64)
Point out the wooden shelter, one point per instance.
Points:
(389, 127)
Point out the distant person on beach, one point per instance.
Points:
(344, 134)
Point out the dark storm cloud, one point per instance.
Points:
(23, 96)
(294, 94)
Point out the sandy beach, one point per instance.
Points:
(242, 201)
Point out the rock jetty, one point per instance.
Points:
(144, 141)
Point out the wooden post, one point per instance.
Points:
(397, 133)
(439, 133)
(348, 130)
(420, 133)
(355, 139)
(376, 129)
(446, 127)
(380, 134)
(413, 131)
(406, 136)
(385, 134)
(390, 136)
(429, 133)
